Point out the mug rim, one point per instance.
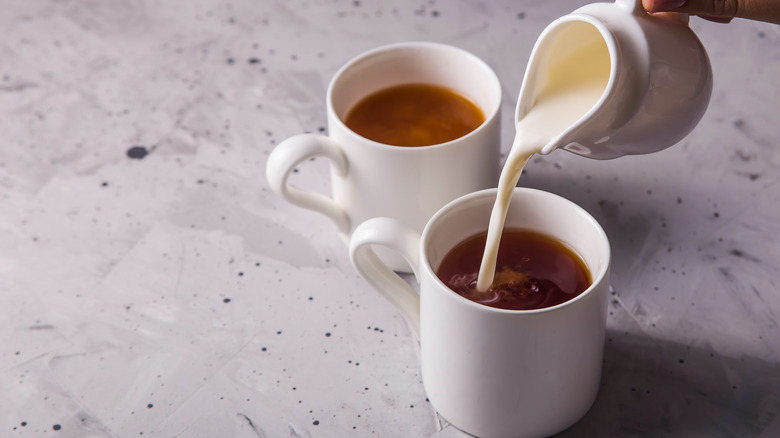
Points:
(598, 277)
(489, 118)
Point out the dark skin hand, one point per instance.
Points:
(720, 11)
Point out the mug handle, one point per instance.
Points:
(289, 154)
(394, 235)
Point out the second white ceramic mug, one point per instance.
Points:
(495, 372)
(371, 179)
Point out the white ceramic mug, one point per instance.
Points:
(494, 372)
(371, 179)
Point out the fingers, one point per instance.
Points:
(721, 11)
(711, 8)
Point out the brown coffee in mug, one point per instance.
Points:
(533, 271)
(414, 115)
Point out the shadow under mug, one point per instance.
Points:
(371, 179)
(495, 372)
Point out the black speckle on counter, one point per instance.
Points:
(56, 427)
(750, 175)
(249, 421)
(137, 152)
(149, 406)
(520, 15)
(740, 254)
(226, 300)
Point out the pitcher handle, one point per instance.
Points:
(289, 154)
(394, 235)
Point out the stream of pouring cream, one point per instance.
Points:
(574, 85)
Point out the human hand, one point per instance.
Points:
(720, 11)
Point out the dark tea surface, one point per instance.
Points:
(533, 271)
(414, 115)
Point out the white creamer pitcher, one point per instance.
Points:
(655, 81)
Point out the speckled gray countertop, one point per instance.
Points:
(152, 285)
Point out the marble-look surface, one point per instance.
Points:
(151, 284)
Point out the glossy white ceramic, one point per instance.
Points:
(659, 86)
(371, 179)
(494, 372)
